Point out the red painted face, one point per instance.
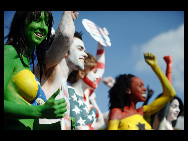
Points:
(91, 79)
(138, 92)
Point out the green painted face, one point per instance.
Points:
(36, 30)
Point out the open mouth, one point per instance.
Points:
(81, 59)
(143, 95)
(40, 35)
(176, 114)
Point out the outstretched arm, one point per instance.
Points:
(168, 90)
(168, 60)
(162, 113)
(100, 56)
(63, 39)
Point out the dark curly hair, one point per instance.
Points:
(117, 94)
(17, 39)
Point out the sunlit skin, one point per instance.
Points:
(163, 123)
(91, 79)
(132, 118)
(61, 59)
(76, 55)
(138, 91)
(173, 110)
(15, 106)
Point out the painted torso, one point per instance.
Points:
(64, 92)
(80, 111)
(29, 87)
(134, 122)
(23, 88)
(128, 119)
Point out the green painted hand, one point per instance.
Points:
(52, 108)
(73, 123)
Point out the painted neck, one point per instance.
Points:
(65, 69)
(130, 105)
(80, 87)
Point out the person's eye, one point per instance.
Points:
(47, 23)
(80, 48)
(95, 71)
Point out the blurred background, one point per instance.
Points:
(132, 33)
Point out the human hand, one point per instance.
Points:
(73, 123)
(105, 31)
(109, 81)
(150, 59)
(150, 92)
(96, 111)
(74, 14)
(52, 108)
(168, 59)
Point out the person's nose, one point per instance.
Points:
(178, 110)
(97, 76)
(85, 55)
(145, 89)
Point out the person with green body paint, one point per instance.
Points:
(21, 88)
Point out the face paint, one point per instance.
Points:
(36, 31)
(91, 79)
(173, 110)
(138, 92)
(77, 54)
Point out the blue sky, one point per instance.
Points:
(132, 33)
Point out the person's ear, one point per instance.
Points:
(128, 91)
(66, 55)
(81, 74)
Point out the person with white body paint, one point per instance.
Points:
(83, 84)
(67, 53)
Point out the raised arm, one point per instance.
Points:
(168, 90)
(100, 56)
(168, 60)
(63, 39)
(159, 118)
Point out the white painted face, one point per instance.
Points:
(173, 110)
(77, 54)
(91, 79)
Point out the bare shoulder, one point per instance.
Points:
(115, 113)
(10, 51)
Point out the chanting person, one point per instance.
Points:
(83, 83)
(166, 118)
(24, 100)
(127, 91)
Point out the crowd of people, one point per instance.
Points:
(50, 82)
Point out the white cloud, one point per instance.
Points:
(167, 43)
